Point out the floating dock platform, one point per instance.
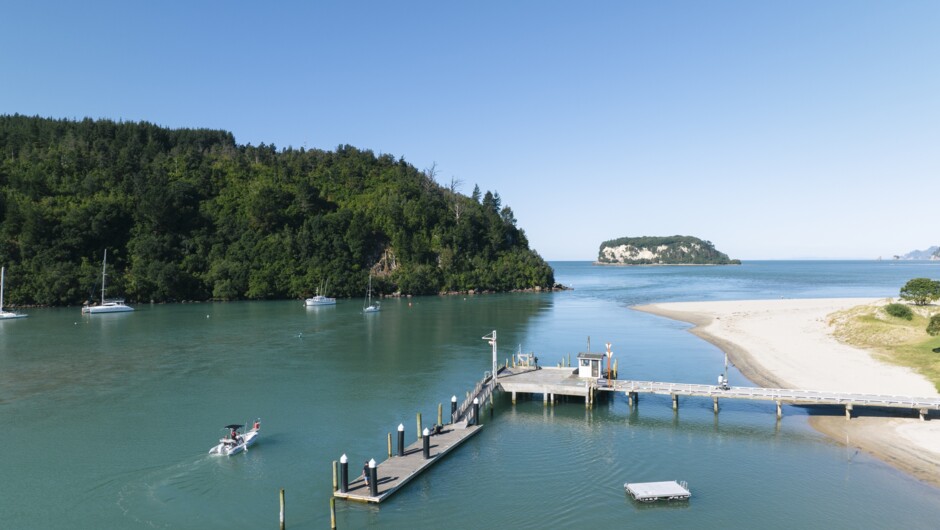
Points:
(659, 491)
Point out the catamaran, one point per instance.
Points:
(370, 306)
(235, 442)
(6, 315)
(115, 305)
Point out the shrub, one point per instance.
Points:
(900, 311)
(933, 327)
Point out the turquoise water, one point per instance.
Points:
(109, 418)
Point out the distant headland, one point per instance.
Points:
(669, 250)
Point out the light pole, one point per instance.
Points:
(491, 338)
(609, 355)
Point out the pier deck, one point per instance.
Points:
(565, 382)
(399, 470)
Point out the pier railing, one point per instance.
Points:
(482, 392)
(814, 397)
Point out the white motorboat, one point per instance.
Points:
(319, 299)
(6, 315)
(114, 305)
(235, 442)
(370, 306)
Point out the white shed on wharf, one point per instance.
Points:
(656, 491)
(590, 364)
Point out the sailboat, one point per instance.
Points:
(370, 306)
(5, 315)
(115, 305)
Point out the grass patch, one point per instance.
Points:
(895, 340)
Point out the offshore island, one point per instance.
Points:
(670, 250)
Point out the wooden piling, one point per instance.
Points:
(779, 410)
(675, 402)
(332, 513)
(848, 411)
(335, 483)
(440, 414)
(282, 509)
(389, 445)
(716, 405)
(419, 425)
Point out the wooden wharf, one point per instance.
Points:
(399, 470)
(396, 471)
(553, 382)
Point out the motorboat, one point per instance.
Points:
(113, 305)
(319, 300)
(6, 315)
(235, 442)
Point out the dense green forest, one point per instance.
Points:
(189, 214)
(667, 250)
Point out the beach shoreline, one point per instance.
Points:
(788, 344)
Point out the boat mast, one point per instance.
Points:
(104, 265)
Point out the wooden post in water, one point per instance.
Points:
(335, 487)
(389, 445)
(282, 509)
(332, 513)
(716, 405)
(675, 402)
(440, 414)
(779, 410)
(419, 425)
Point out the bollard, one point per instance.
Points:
(335, 474)
(440, 414)
(427, 444)
(343, 474)
(282, 509)
(401, 439)
(332, 513)
(476, 411)
(373, 479)
(419, 425)
(453, 407)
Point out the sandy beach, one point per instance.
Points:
(789, 344)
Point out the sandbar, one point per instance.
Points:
(788, 343)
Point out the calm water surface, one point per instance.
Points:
(109, 418)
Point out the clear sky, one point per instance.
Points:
(776, 130)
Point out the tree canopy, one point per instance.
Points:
(921, 291)
(189, 214)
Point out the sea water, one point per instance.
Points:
(108, 418)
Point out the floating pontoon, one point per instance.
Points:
(659, 491)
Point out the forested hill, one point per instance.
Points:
(189, 214)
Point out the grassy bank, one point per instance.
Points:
(898, 341)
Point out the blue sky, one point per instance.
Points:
(787, 130)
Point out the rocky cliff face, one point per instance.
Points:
(674, 250)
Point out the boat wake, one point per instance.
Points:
(174, 496)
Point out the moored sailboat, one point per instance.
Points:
(6, 315)
(114, 305)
